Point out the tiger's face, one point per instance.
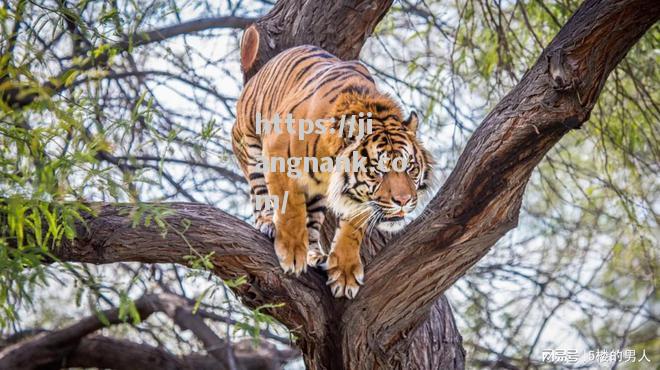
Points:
(395, 176)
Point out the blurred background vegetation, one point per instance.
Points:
(101, 103)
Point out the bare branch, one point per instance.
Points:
(110, 353)
(181, 311)
(74, 347)
(50, 347)
(18, 96)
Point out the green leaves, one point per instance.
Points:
(127, 309)
(29, 229)
(36, 223)
(257, 320)
(198, 261)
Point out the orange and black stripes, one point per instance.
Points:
(310, 83)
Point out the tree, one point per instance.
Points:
(400, 318)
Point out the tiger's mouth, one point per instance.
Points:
(393, 221)
(397, 213)
(392, 218)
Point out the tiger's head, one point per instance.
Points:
(394, 177)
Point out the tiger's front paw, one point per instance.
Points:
(292, 256)
(344, 277)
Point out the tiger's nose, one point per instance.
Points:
(402, 199)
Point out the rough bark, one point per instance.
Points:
(340, 27)
(309, 311)
(399, 320)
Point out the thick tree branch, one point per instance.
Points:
(95, 351)
(238, 250)
(184, 28)
(195, 229)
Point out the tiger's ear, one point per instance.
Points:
(249, 48)
(411, 122)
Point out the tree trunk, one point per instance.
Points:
(399, 320)
(340, 27)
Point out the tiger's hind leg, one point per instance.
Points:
(263, 213)
(315, 217)
(248, 150)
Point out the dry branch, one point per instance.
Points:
(74, 346)
(17, 95)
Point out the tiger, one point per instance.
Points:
(308, 82)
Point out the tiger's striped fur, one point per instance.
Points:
(311, 83)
